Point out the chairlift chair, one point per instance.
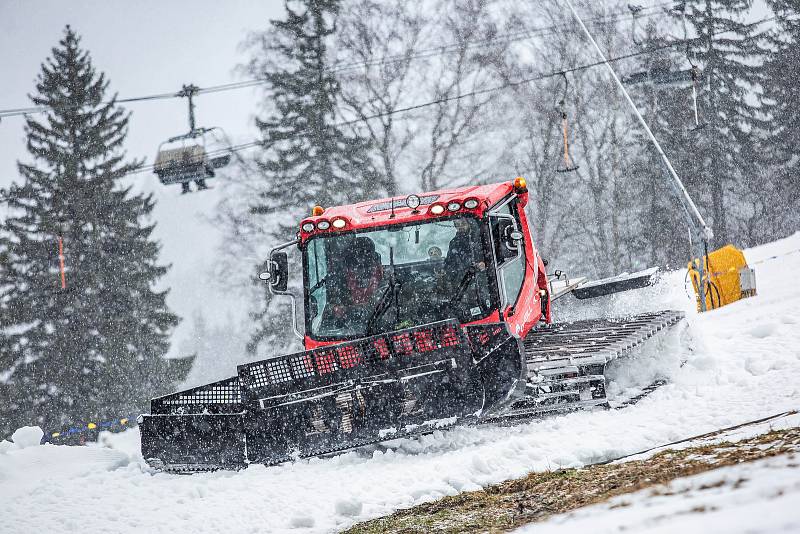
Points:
(664, 77)
(183, 159)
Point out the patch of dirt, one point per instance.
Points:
(515, 503)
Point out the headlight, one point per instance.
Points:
(454, 206)
(308, 227)
(339, 223)
(471, 203)
(437, 209)
(323, 225)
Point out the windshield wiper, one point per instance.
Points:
(318, 285)
(392, 292)
(466, 280)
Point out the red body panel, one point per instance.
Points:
(527, 311)
(358, 216)
(523, 315)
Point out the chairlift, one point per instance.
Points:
(635, 10)
(184, 159)
(664, 77)
(566, 164)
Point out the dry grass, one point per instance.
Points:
(514, 503)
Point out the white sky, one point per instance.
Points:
(146, 47)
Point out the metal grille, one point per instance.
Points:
(482, 335)
(403, 346)
(424, 340)
(224, 396)
(349, 356)
(345, 356)
(450, 336)
(382, 348)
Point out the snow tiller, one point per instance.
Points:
(419, 313)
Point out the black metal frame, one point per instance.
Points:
(326, 399)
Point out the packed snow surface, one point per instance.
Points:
(728, 366)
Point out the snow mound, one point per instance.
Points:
(301, 521)
(348, 507)
(27, 436)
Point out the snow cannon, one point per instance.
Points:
(419, 313)
(728, 277)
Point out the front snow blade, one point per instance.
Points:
(346, 395)
(615, 284)
(197, 429)
(193, 442)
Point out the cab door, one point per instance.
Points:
(516, 265)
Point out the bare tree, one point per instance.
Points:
(404, 52)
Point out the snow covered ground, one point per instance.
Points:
(742, 362)
(761, 496)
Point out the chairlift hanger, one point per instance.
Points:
(693, 74)
(567, 164)
(190, 162)
(695, 71)
(635, 10)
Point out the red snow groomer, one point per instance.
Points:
(419, 313)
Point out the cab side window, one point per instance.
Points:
(510, 263)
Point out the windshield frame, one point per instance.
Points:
(488, 258)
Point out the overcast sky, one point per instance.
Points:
(145, 47)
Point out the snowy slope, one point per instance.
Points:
(762, 496)
(742, 363)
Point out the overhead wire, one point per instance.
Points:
(510, 37)
(478, 92)
(346, 66)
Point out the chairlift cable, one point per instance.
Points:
(22, 111)
(244, 84)
(255, 143)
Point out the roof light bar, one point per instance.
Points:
(471, 203)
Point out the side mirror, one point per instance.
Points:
(511, 237)
(277, 273)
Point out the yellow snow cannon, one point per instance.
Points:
(727, 275)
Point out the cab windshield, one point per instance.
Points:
(365, 283)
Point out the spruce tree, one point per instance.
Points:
(721, 156)
(307, 158)
(669, 113)
(94, 349)
(781, 136)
